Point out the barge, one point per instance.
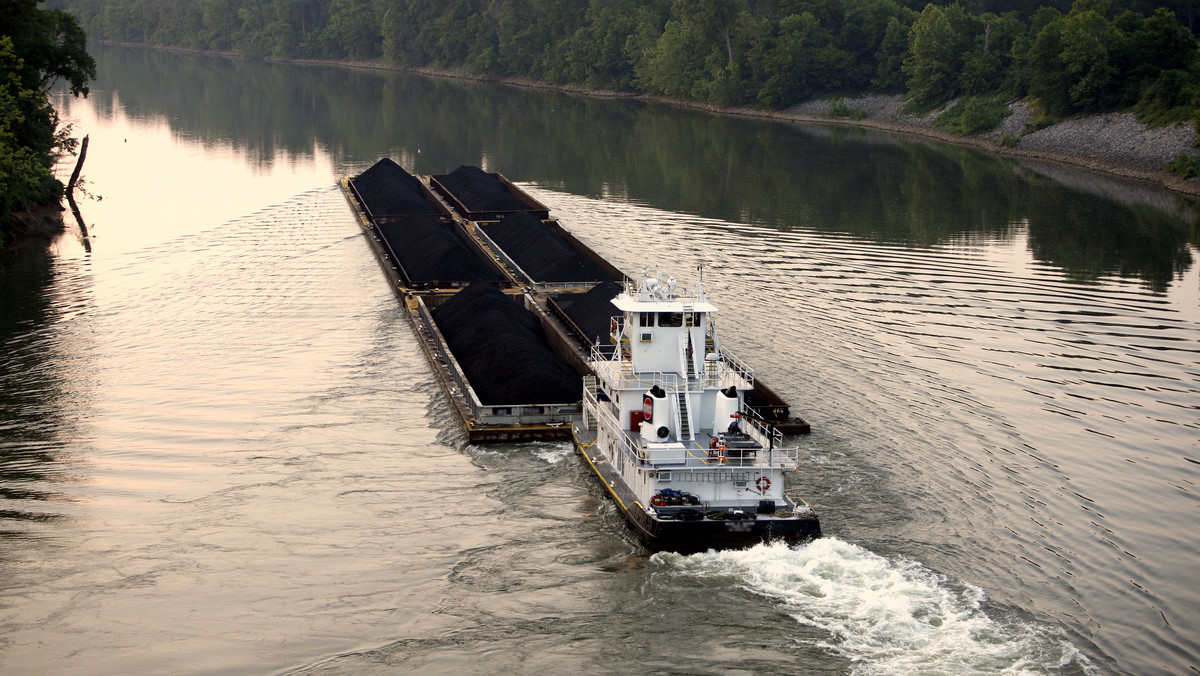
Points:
(703, 464)
(404, 234)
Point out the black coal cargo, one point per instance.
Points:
(503, 351)
(543, 253)
(386, 189)
(593, 311)
(429, 250)
(480, 191)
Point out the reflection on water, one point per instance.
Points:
(235, 459)
(40, 394)
(783, 176)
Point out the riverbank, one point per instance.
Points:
(40, 223)
(1110, 143)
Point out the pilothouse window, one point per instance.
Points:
(646, 318)
(670, 319)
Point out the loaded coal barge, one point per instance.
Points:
(535, 336)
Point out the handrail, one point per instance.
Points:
(683, 456)
(625, 444)
(739, 367)
(729, 370)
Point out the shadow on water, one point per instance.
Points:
(34, 390)
(784, 176)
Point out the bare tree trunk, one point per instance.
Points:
(78, 165)
(71, 194)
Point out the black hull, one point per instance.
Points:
(687, 536)
(690, 537)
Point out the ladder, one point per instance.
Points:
(685, 427)
(689, 359)
(626, 358)
(589, 383)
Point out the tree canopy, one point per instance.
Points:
(1067, 58)
(38, 48)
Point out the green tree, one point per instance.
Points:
(989, 60)
(938, 45)
(804, 61)
(693, 56)
(22, 173)
(1088, 40)
(594, 55)
(860, 34)
(1047, 78)
(221, 23)
(353, 30)
(37, 49)
(889, 59)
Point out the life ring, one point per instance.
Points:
(613, 328)
(763, 483)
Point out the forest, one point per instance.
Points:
(1066, 59)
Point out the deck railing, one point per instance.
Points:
(726, 370)
(690, 455)
(625, 445)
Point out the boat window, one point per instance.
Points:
(693, 318)
(646, 318)
(670, 319)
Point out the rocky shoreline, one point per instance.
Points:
(1117, 144)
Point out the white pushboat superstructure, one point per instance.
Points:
(665, 427)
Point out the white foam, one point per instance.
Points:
(553, 453)
(888, 616)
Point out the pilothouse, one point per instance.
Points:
(666, 428)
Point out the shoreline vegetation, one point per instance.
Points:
(38, 48)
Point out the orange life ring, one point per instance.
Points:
(614, 325)
(763, 483)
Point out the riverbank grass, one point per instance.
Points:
(973, 116)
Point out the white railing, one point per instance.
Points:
(624, 443)
(770, 439)
(689, 456)
(737, 366)
(725, 371)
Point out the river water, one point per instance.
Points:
(222, 451)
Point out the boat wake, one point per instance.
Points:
(889, 616)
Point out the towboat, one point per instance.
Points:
(666, 429)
